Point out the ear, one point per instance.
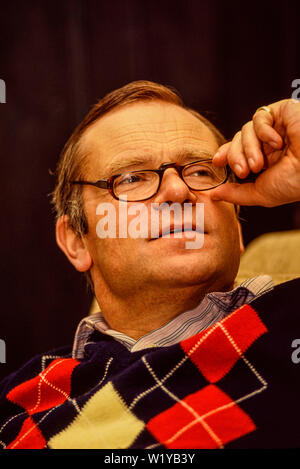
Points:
(242, 247)
(72, 245)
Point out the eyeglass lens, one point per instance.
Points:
(139, 185)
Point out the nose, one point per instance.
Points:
(174, 189)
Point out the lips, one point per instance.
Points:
(164, 232)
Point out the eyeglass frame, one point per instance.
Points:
(109, 183)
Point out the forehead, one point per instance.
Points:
(150, 132)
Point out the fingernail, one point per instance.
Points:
(274, 144)
(216, 155)
(251, 163)
(237, 168)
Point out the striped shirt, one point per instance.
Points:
(213, 307)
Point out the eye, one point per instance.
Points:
(129, 179)
(199, 170)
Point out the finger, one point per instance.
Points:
(263, 125)
(291, 122)
(239, 194)
(220, 158)
(252, 148)
(236, 158)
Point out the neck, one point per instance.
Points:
(140, 314)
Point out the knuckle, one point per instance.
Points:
(257, 117)
(224, 147)
(262, 132)
(233, 158)
(245, 127)
(230, 157)
(249, 147)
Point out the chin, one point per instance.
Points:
(184, 272)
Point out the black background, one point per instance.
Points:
(57, 59)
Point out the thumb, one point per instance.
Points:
(239, 194)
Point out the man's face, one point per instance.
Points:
(144, 136)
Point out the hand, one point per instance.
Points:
(268, 145)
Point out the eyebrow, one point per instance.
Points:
(118, 166)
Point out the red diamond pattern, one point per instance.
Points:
(47, 390)
(218, 349)
(207, 419)
(50, 388)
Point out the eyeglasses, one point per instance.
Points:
(140, 185)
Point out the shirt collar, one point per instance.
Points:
(214, 307)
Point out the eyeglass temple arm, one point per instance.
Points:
(101, 183)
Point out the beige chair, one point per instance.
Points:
(94, 307)
(274, 254)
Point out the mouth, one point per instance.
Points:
(177, 232)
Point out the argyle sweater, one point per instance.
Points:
(234, 385)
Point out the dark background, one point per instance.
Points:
(57, 59)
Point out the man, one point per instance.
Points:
(164, 363)
(160, 273)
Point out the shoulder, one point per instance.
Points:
(34, 367)
(282, 298)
